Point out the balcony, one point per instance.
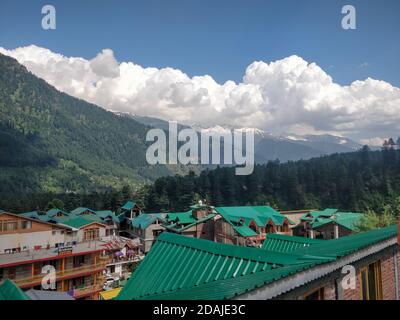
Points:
(61, 275)
(85, 291)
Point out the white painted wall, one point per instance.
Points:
(32, 239)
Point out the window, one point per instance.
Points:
(26, 224)
(156, 233)
(315, 295)
(269, 228)
(10, 225)
(371, 282)
(91, 234)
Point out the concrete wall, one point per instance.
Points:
(41, 238)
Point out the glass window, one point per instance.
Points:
(26, 224)
(10, 225)
(371, 282)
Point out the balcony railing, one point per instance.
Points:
(37, 280)
(85, 291)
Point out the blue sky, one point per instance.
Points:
(219, 38)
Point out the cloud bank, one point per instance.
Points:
(288, 95)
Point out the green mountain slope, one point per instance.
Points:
(52, 142)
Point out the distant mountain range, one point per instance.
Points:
(52, 142)
(270, 147)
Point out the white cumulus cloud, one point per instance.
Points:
(288, 95)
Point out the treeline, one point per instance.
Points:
(357, 181)
(352, 181)
(110, 200)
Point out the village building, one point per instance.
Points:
(249, 225)
(147, 227)
(198, 222)
(74, 248)
(286, 267)
(129, 211)
(125, 255)
(327, 224)
(295, 215)
(57, 216)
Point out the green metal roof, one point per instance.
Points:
(144, 220)
(181, 217)
(179, 267)
(231, 287)
(77, 222)
(244, 231)
(74, 218)
(345, 245)
(55, 211)
(129, 205)
(10, 291)
(180, 228)
(81, 210)
(314, 214)
(284, 243)
(259, 214)
(348, 220)
(177, 262)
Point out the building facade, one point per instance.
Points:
(249, 225)
(29, 248)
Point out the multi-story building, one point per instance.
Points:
(73, 247)
(249, 225)
(327, 224)
(147, 227)
(198, 222)
(129, 211)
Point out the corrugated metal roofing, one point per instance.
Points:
(176, 262)
(129, 205)
(179, 228)
(55, 211)
(345, 245)
(261, 215)
(181, 217)
(81, 210)
(143, 220)
(348, 220)
(284, 243)
(180, 267)
(10, 291)
(77, 222)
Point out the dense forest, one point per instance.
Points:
(351, 181)
(355, 181)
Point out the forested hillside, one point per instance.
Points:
(353, 181)
(52, 142)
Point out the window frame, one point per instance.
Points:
(377, 280)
